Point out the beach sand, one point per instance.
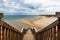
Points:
(39, 22)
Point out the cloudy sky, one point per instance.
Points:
(29, 7)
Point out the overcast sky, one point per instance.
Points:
(29, 7)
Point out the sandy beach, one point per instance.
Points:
(39, 22)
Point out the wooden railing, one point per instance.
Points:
(8, 32)
(52, 31)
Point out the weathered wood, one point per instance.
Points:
(1, 33)
(1, 23)
(47, 34)
(55, 33)
(40, 36)
(58, 14)
(10, 27)
(1, 15)
(59, 32)
(7, 32)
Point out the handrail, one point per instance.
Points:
(52, 25)
(7, 32)
(52, 31)
(10, 27)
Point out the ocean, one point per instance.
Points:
(14, 20)
(16, 17)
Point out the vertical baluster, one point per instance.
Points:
(46, 35)
(1, 33)
(58, 15)
(58, 32)
(59, 29)
(44, 38)
(13, 35)
(5, 34)
(50, 34)
(19, 36)
(16, 35)
(10, 34)
(39, 36)
(54, 33)
(1, 27)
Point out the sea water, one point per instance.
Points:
(14, 20)
(16, 17)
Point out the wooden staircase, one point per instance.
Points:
(7, 32)
(51, 32)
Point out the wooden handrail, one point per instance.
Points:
(52, 31)
(7, 32)
(50, 26)
(10, 27)
(6, 24)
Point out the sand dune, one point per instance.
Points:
(40, 22)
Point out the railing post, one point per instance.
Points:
(1, 30)
(1, 15)
(58, 15)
